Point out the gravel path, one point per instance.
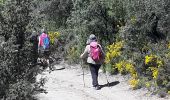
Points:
(67, 84)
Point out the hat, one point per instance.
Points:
(44, 30)
(91, 38)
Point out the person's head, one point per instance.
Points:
(91, 38)
(34, 33)
(43, 30)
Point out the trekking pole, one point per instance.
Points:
(83, 72)
(106, 76)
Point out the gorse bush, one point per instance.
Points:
(114, 51)
(134, 83)
(53, 36)
(152, 60)
(113, 54)
(16, 60)
(153, 63)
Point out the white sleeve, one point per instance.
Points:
(85, 53)
(39, 41)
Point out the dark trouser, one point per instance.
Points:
(94, 68)
(35, 55)
(44, 53)
(44, 57)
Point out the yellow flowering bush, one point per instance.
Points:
(153, 60)
(53, 36)
(130, 68)
(133, 19)
(134, 83)
(150, 58)
(154, 63)
(154, 72)
(167, 55)
(120, 66)
(148, 84)
(168, 45)
(125, 66)
(169, 92)
(114, 51)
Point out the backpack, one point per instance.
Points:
(44, 41)
(95, 51)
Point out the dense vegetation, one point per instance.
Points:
(134, 34)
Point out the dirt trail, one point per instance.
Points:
(67, 84)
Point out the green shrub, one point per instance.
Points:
(22, 90)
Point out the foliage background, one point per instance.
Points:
(134, 34)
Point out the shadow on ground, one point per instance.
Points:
(59, 68)
(110, 84)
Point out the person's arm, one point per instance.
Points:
(38, 43)
(85, 53)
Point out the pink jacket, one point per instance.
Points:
(41, 37)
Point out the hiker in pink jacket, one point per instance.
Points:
(44, 47)
(95, 58)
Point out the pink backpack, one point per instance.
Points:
(95, 51)
(42, 37)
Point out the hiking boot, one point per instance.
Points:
(96, 88)
(38, 61)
